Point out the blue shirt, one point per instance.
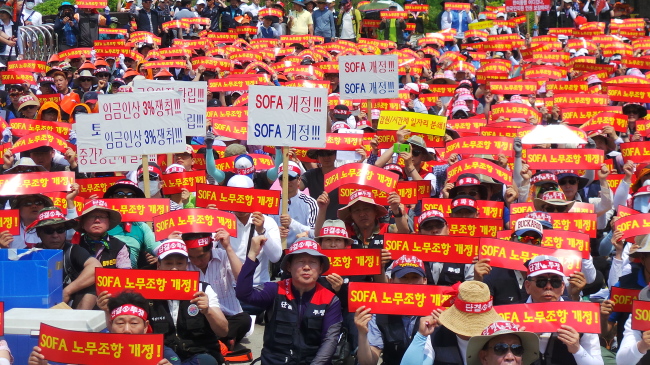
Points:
(324, 23)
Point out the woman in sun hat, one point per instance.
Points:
(503, 342)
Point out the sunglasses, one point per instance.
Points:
(570, 181)
(83, 79)
(501, 349)
(555, 208)
(416, 153)
(15, 94)
(471, 193)
(529, 239)
(121, 194)
(38, 203)
(50, 230)
(556, 283)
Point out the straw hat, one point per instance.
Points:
(471, 309)
(363, 196)
(114, 217)
(529, 341)
(553, 198)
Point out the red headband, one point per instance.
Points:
(129, 310)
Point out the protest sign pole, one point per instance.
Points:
(145, 175)
(285, 187)
(369, 111)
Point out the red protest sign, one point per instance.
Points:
(363, 175)
(55, 98)
(416, 300)
(584, 317)
(486, 208)
(175, 183)
(76, 347)
(35, 182)
(478, 166)
(616, 120)
(231, 83)
(96, 185)
(194, 220)
(91, 4)
(579, 222)
(474, 227)
(152, 284)
(580, 115)
(509, 87)
(625, 211)
(348, 262)
(40, 139)
(238, 199)
(481, 145)
(60, 201)
(21, 127)
(393, 14)
(432, 248)
(565, 159)
(566, 87)
(633, 225)
(641, 315)
(570, 100)
(623, 298)
(10, 221)
(457, 6)
(637, 152)
(467, 127)
(139, 209)
(513, 255)
(230, 113)
(17, 77)
(629, 93)
(566, 240)
(28, 65)
(443, 89)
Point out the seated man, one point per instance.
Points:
(191, 327)
(78, 265)
(126, 313)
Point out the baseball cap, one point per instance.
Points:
(174, 168)
(90, 97)
(341, 112)
(463, 202)
(153, 169)
(542, 217)
(431, 215)
(524, 225)
(171, 247)
(293, 170)
(544, 264)
(407, 264)
(244, 165)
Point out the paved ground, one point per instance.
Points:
(254, 341)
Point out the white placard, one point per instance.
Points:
(369, 77)
(287, 116)
(140, 124)
(195, 102)
(90, 157)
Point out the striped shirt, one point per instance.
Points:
(220, 277)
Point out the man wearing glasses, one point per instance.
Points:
(94, 223)
(78, 265)
(545, 283)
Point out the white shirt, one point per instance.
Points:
(347, 29)
(303, 211)
(33, 16)
(221, 279)
(174, 305)
(271, 251)
(589, 353)
(628, 352)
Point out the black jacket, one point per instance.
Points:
(504, 286)
(142, 19)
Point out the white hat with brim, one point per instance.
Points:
(25, 162)
(529, 341)
(364, 197)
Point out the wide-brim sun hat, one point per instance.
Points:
(362, 196)
(471, 309)
(114, 217)
(529, 341)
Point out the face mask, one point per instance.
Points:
(154, 187)
(30, 6)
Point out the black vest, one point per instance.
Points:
(108, 258)
(565, 20)
(396, 340)
(557, 353)
(192, 334)
(290, 338)
(449, 275)
(445, 346)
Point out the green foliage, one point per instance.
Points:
(51, 7)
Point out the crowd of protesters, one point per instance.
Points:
(575, 54)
